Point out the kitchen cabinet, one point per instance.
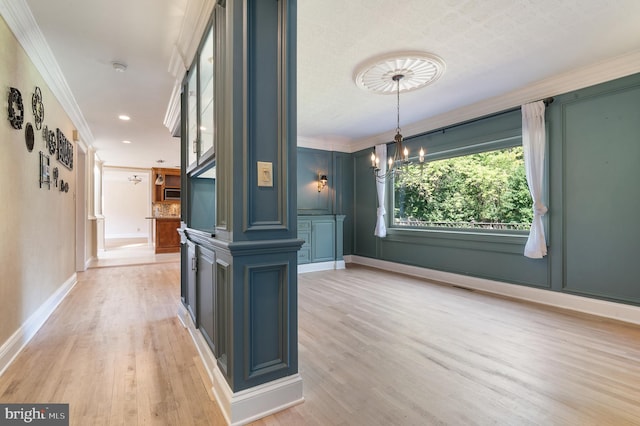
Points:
(165, 178)
(167, 237)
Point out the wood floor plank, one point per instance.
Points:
(378, 348)
(374, 349)
(117, 353)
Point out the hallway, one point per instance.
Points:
(117, 353)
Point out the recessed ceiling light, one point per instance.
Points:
(124, 117)
(418, 69)
(126, 141)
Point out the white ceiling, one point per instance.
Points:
(491, 48)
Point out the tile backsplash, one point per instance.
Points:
(166, 209)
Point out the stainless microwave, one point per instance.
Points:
(172, 193)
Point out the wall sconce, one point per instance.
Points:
(322, 181)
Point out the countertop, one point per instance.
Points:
(163, 217)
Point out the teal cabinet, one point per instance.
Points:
(323, 243)
(304, 233)
(322, 237)
(206, 288)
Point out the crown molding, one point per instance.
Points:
(20, 20)
(194, 23)
(337, 143)
(597, 73)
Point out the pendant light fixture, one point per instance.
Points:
(398, 72)
(400, 154)
(135, 179)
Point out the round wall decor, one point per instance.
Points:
(15, 108)
(29, 136)
(38, 107)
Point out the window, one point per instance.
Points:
(481, 190)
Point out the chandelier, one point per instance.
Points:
(401, 154)
(135, 179)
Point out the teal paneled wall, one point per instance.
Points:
(343, 166)
(595, 190)
(593, 233)
(337, 197)
(310, 163)
(365, 206)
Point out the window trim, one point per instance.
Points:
(441, 151)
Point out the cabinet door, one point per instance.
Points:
(304, 233)
(191, 137)
(206, 293)
(191, 267)
(207, 97)
(167, 237)
(323, 240)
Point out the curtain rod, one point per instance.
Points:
(547, 101)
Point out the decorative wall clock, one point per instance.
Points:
(29, 136)
(38, 108)
(15, 108)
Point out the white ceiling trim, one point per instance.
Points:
(20, 20)
(563, 83)
(194, 23)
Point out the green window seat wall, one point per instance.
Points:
(593, 152)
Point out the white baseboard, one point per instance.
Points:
(12, 347)
(251, 404)
(321, 266)
(602, 308)
(127, 235)
(89, 261)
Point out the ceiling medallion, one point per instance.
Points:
(418, 69)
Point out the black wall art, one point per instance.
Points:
(29, 137)
(15, 108)
(49, 137)
(65, 150)
(38, 108)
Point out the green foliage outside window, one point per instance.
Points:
(483, 190)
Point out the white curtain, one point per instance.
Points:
(533, 144)
(381, 228)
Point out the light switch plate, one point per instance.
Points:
(265, 174)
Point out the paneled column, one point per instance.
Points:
(255, 242)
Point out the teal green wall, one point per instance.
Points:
(593, 193)
(337, 197)
(595, 197)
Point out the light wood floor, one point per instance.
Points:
(117, 353)
(130, 251)
(375, 349)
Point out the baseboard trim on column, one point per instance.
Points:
(251, 404)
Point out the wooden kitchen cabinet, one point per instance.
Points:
(167, 237)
